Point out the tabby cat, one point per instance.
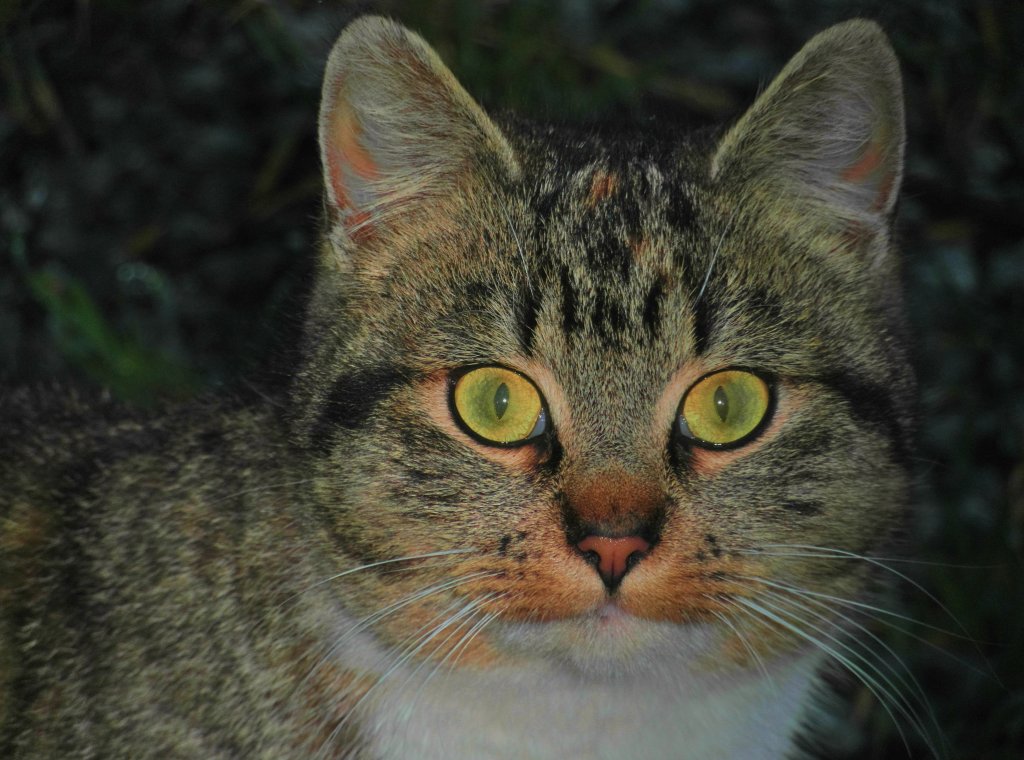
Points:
(580, 421)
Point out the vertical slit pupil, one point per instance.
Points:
(721, 400)
(501, 401)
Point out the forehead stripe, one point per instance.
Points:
(570, 304)
(528, 307)
(702, 325)
(652, 308)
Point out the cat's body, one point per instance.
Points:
(367, 569)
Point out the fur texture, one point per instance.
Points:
(352, 575)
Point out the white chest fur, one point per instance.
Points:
(547, 712)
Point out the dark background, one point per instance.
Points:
(159, 193)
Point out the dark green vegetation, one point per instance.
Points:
(159, 190)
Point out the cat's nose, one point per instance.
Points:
(614, 556)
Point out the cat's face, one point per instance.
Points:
(625, 391)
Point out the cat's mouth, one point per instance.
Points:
(611, 616)
(612, 620)
(607, 639)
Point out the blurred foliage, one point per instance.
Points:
(159, 192)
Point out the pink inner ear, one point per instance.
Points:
(348, 164)
(863, 171)
(865, 165)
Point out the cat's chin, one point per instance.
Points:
(609, 641)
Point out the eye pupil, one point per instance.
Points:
(501, 397)
(725, 408)
(721, 399)
(497, 406)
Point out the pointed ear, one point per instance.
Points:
(829, 128)
(400, 140)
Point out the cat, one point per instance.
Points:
(582, 421)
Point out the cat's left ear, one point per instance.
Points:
(828, 129)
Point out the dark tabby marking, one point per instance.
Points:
(351, 401)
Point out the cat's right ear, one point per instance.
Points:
(402, 143)
(828, 130)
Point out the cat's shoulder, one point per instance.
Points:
(65, 421)
(62, 446)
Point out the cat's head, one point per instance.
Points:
(611, 389)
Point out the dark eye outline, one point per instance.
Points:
(541, 430)
(683, 430)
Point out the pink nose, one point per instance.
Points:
(613, 554)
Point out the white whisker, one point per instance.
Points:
(914, 685)
(472, 632)
(519, 247)
(416, 643)
(463, 645)
(852, 555)
(469, 611)
(325, 745)
(714, 258)
(819, 552)
(443, 562)
(896, 691)
(745, 641)
(865, 678)
(387, 611)
(879, 614)
(473, 626)
(369, 565)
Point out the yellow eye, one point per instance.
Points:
(725, 408)
(498, 406)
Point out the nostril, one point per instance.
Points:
(615, 556)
